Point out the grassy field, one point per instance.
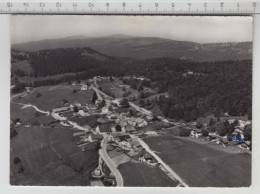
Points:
(52, 96)
(88, 120)
(49, 156)
(201, 165)
(23, 114)
(63, 76)
(29, 115)
(137, 174)
(111, 88)
(117, 89)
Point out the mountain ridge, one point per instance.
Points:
(147, 47)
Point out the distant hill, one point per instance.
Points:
(147, 47)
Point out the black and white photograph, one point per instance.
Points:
(131, 101)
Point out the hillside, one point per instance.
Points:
(222, 84)
(147, 47)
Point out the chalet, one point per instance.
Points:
(97, 173)
(123, 137)
(105, 128)
(109, 181)
(124, 103)
(84, 87)
(125, 145)
(77, 104)
(28, 89)
(151, 133)
(236, 138)
(103, 120)
(105, 110)
(124, 86)
(148, 159)
(129, 128)
(96, 137)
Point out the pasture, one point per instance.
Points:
(201, 165)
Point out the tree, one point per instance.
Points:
(17, 160)
(102, 104)
(212, 122)
(142, 94)
(16, 120)
(13, 133)
(235, 123)
(220, 128)
(21, 169)
(230, 128)
(124, 103)
(118, 128)
(248, 132)
(131, 113)
(184, 132)
(19, 87)
(64, 101)
(38, 95)
(199, 124)
(94, 98)
(110, 108)
(141, 102)
(205, 132)
(75, 109)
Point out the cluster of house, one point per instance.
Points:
(148, 159)
(116, 124)
(125, 121)
(237, 136)
(87, 140)
(133, 149)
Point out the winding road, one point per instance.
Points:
(36, 108)
(102, 152)
(170, 173)
(109, 162)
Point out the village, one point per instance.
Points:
(118, 126)
(120, 121)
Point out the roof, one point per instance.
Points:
(96, 136)
(106, 127)
(129, 128)
(124, 137)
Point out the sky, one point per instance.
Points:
(202, 29)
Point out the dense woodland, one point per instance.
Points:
(212, 87)
(195, 88)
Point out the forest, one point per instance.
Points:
(195, 88)
(199, 89)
